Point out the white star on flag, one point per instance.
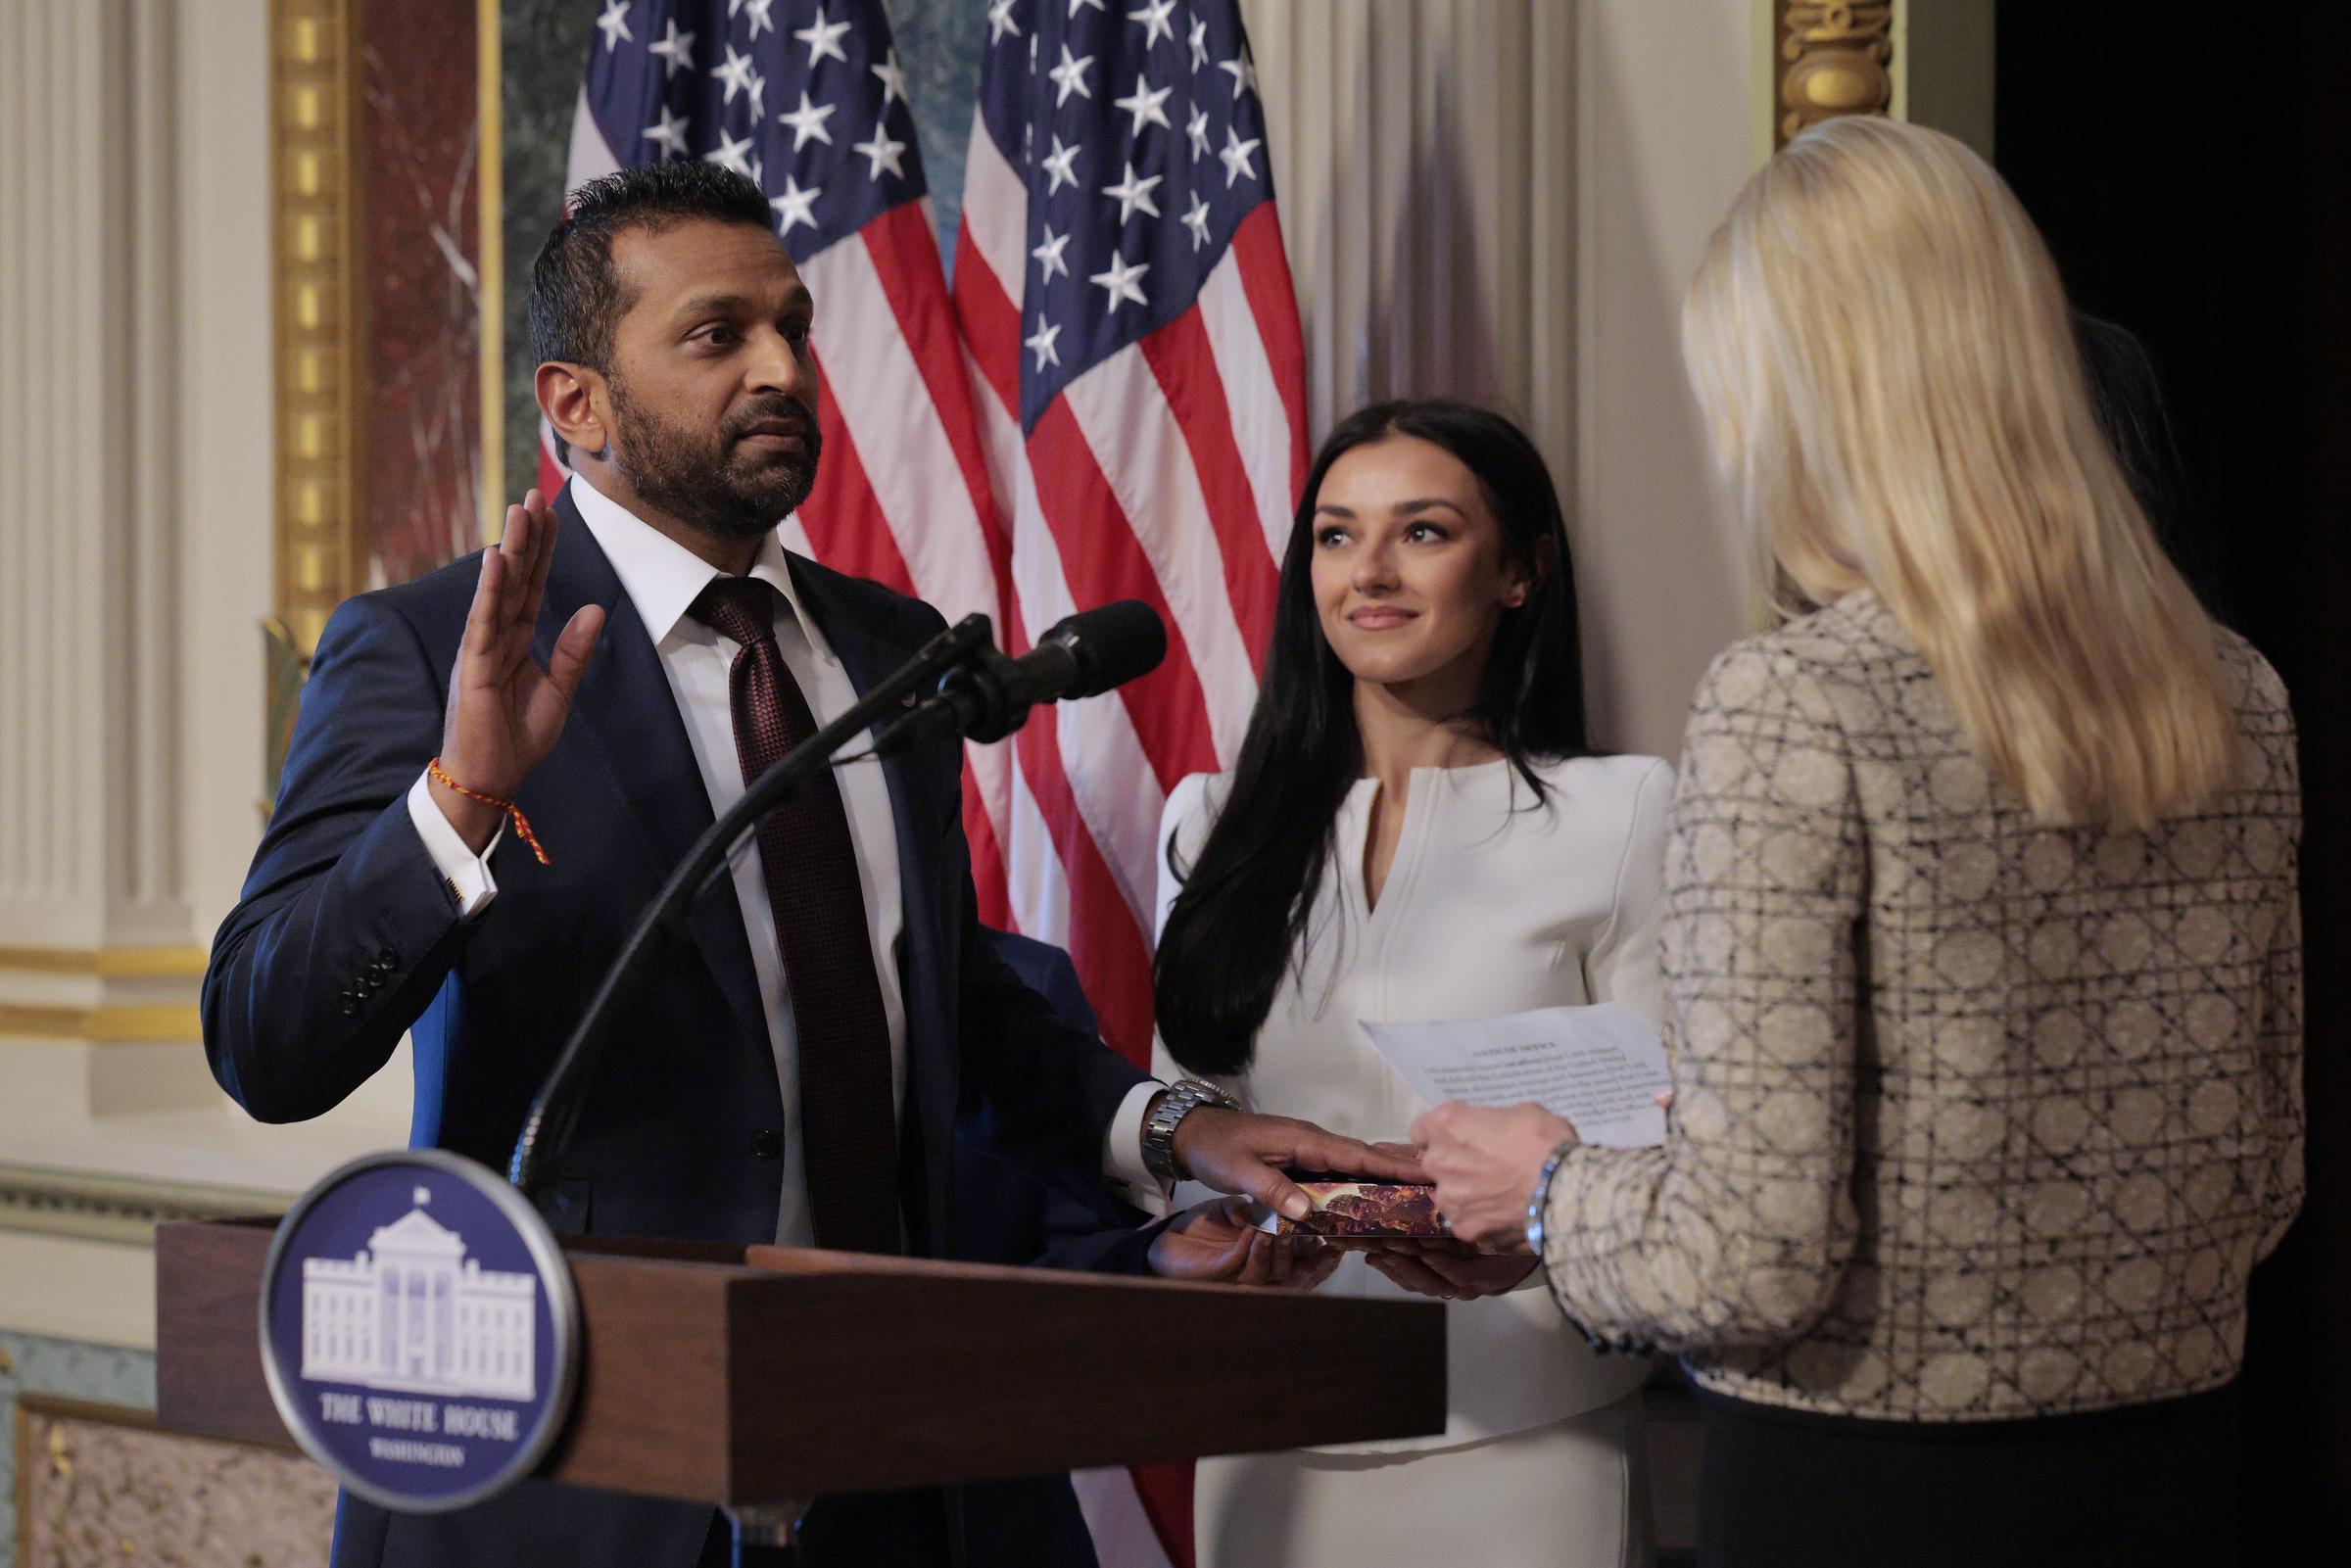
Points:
(676, 50)
(1199, 43)
(823, 39)
(1196, 127)
(1154, 18)
(808, 122)
(757, 96)
(1048, 254)
(759, 17)
(1001, 22)
(1197, 220)
(1075, 5)
(1043, 343)
(669, 134)
(1144, 105)
(1133, 192)
(893, 80)
(614, 24)
(1122, 282)
(735, 73)
(884, 154)
(1061, 164)
(732, 154)
(795, 205)
(1244, 74)
(1235, 155)
(1070, 76)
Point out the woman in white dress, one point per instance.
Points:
(1415, 831)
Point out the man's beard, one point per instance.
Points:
(710, 483)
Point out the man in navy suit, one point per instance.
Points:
(611, 672)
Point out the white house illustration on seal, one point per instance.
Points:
(406, 1315)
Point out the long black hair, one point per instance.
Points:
(1242, 916)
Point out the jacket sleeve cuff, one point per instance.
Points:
(464, 873)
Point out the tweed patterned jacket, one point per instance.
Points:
(1975, 1119)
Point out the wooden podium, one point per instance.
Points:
(757, 1379)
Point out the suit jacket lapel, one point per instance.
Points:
(627, 712)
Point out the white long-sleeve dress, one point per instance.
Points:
(1495, 903)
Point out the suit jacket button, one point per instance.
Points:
(351, 1005)
(388, 960)
(768, 1144)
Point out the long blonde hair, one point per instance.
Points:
(1887, 369)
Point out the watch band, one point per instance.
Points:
(1540, 1199)
(1183, 1097)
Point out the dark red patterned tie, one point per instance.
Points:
(848, 1120)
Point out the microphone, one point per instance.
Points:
(980, 693)
(1081, 656)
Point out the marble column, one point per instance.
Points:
(98, 969)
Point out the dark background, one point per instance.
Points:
(2196, 185)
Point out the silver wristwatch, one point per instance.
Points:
(1537, 1232)
(1184, 1096)
(1541, 1201)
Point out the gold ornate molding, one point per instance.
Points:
(1836, 55)
(315, 308)
(490, 82)
(123, 1209)
(113, 1025)
(108, 963)
(314, 214)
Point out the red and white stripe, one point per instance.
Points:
(1168, 473)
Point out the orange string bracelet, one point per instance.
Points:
(522, 824)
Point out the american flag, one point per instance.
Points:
(808, 99)
(1140, 382)
(1126, 302)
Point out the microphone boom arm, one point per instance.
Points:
(556, 1111)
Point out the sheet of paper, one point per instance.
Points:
(1599, 1067)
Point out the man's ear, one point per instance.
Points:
(574, 399)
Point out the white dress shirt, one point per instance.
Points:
(662, 578)
(1493, 904)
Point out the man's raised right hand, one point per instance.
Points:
(504, 712)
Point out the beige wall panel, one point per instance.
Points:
(92, 1291)
(135, 558)
(1664, 139)
(226, 402)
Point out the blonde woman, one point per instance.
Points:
(1982, 966)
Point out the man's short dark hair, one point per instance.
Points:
(577, 300)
